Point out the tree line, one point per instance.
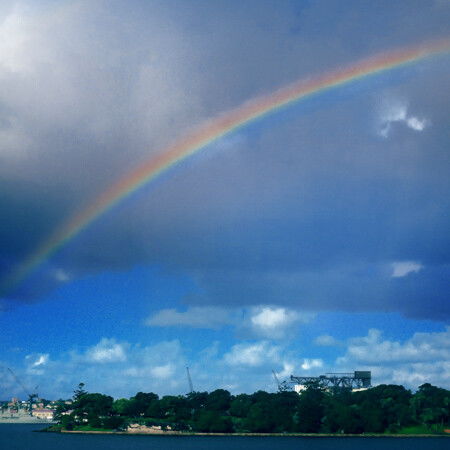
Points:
(382, 409)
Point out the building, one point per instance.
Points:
(43, 413)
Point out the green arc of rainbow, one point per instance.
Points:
(209, 132)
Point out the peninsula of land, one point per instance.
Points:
(384, 410)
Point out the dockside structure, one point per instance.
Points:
(358, 380)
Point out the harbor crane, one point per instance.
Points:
(359, 379)
(282, 385)
(31, 397)
(191, 386)
(277, 381)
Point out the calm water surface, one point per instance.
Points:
(21, 437)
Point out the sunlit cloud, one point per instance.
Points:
(309, 364)
(162, 372)
(253, 354)
(256, 321)
(107, 351)
(424, 357)
(396, 111)
(39, 360)
(403, 268)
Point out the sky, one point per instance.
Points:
(313, 240)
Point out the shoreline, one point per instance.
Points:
(305, 435)
(27, 421)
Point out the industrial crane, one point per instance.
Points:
(282, 385)
(191, 387)
(31, 397)
(276, 379)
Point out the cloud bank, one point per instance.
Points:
(307, 211)
(258, 321)
(122, 369)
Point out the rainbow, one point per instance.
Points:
(211, 131)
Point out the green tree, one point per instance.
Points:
(283, 407)
(114, 422)
(212, 422)
(155, 410)
(61, 408)
(175, 408)
(310, 409)
(431, 405)
(260, 418)
(341, 416)
(79, 392)
(240, 405)
(67, 422)
(218, 400)
(121, 406)
(92, 408)
(384, 408)
(197, 400)
(139, 404)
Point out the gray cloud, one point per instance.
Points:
(196, 317)
(307, 210)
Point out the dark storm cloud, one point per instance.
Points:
(309, 208)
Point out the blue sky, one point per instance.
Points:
(314, 240)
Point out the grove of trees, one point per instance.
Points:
(382, 409)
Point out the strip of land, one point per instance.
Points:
(307, 435)
(24, 419)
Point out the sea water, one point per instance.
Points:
(24, 437)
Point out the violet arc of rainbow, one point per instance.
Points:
(210, 132)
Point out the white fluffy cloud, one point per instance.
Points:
(113, 367)
(309, 364)
(41, 360)
(260, 321)
(159, 368)
(37, 363)
(420, 347)
(425, 357)
(403, 268)
(163, 372)
(243, 367)
(107, 351)
(416, 124)
(254, 354)
(276, 322)
(396, 111)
